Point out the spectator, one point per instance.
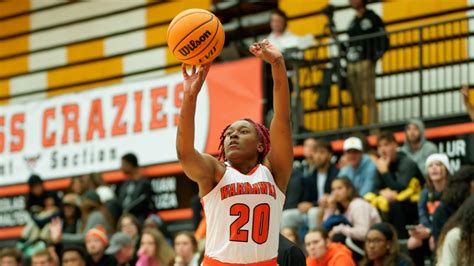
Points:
(135, 194)
(459, 187)
(456, 245)
(121, 246)
(280, 37)
(97, 183)
(381, 247)
(468, 105)
(10, 257)
(322, 252)
(155, 222)
(154, 250)
(186, 248)
(315, 186)
(42, 258)
(416, 146)
(300, 170)
(362, 56)
(400, 185)
(129, 225)
(78, 185)
(96, 242)
(290, 234)
(93, 214)
(289, 254)
(71, 214)
(361, 169)
(37, 195)
(347, 217)
(421, 242)
(74, 256)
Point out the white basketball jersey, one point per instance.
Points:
(243, 215)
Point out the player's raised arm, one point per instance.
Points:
(199, 167)
(280, 157)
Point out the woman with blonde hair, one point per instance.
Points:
(154, 249)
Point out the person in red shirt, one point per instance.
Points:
(321, 252)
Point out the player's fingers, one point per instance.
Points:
(194, 70)
(183, 69)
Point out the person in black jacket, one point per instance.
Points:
(316, 185)
(362, 55)
(289, 254)
(135, 195)
(400, 183)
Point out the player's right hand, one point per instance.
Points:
(193, 82)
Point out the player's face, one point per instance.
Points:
(354, 157)
(315, 245)
(375, 245)
(183, 246)
(436, 171)
(241, 141)
(413, 133)
(277, 23)
(148, 245)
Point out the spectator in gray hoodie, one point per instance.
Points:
(416, 146)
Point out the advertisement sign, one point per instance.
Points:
(88, 132)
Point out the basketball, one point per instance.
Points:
(195, 36)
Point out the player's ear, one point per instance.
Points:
(260, 147)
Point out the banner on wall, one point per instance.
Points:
(88, 132)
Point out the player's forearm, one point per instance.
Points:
(185, 132)
(281, 94)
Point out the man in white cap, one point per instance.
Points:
(360, 169)
(121, 246)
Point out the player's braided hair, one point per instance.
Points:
(263, 135)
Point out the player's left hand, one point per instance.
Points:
(266, 51)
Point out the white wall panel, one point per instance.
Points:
(90, 29)
(47, 59)
(125, 43)
(28, 83)
(144, 60)
(78, 10)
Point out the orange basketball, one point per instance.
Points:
(195, 36)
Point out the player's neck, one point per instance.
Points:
(244, 167)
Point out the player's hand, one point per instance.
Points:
(193, 82)
(266, 51)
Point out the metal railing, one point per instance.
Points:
(418, 76)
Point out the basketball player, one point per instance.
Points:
(242, 195)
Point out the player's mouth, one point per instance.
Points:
(233, 145)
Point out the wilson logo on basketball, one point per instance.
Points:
(193, 44)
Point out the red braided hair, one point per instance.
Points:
(263, 135)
